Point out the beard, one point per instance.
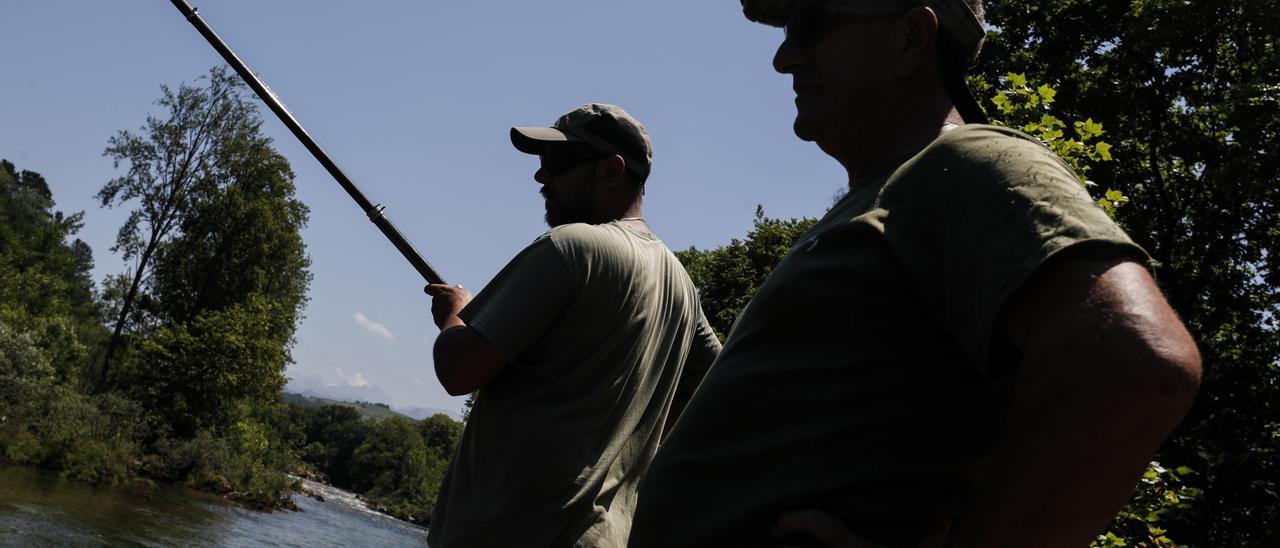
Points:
(565, 210)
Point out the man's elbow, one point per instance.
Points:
(450, 370)
(453, 385)
(1178, 380)
(1168, 380)
(465, 361)
(453, 377)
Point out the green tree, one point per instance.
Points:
(441, 434)
(1188, 93)
(228, 281)
(333, 433)
(170, 163)
(728, 276)
(26, 383)
(239, 239)
(395, 468)
(198, 375)
(47, 291)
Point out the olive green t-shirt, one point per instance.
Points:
(601, 326)
(864, 377)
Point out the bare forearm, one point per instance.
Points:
(1075, 445)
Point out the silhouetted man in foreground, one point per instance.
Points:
(964, 351)
(580, 348)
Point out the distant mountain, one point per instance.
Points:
(314, 387)
(368, 410)
(424, 412)
(311, 385)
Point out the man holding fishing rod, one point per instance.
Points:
(583, 348)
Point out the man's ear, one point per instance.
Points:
(613, 170)
(917, 45)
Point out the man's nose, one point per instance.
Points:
(541, 176)
(789, 57)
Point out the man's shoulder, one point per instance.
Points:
(569, 236)
(585, 237)
(974, 156)
(608, 246)
(981, 144)
(572, 232)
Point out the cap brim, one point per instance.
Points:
(535, 140)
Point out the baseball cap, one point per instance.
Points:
(607, 128)
(961, 33)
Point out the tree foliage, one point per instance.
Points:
(396, 463)
(728, 276)
(441, 434)
(239, 239)
(47, 288)
(198, 375)
(228, 268)
(220, 282)
(1189, 94)
(396, 469)
(171, 163)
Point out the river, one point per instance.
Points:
(41, 509)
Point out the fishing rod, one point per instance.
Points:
(374, 211)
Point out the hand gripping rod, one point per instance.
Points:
(375, 212)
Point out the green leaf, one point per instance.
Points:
(1017, 80)
(1001, 102)
(1104, 150)
(1046, 93)
(1091, 128)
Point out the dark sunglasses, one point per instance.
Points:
(812, 19)
(560, 160)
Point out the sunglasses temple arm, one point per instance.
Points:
(375, 212)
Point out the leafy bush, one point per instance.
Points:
(1162, 494)
(395, 469)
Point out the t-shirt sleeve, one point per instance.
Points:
(980, 212)
(524, 300)
(702, 353)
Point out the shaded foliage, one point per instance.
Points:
(220, 282)
(199, 375)
(441, 434)
(396, 469)
(1189, 95)
(47, 287)
(171, 164)
(239, 239)
(333, 433)
(395, 463)
(728, 276)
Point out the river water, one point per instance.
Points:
(41, 509)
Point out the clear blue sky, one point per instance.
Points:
(414, 100)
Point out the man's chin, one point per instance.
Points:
(806, 130)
